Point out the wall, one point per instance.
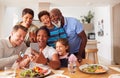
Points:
(105, 50)
(7, 22)
(10, 15)
(1, 17)
(76, 12)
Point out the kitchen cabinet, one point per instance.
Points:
(116, 37)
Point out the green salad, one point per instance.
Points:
(31, 73)
(93, 69)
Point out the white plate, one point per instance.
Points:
(48, 72)
(32, 65)
(57, 71)
(114, 76)
(55, 76)
(2, 73)
(45, 67)
(5, 77)
(45, 74)
(86, 65)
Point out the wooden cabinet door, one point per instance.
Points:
(116, 33)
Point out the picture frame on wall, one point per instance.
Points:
(100, 28)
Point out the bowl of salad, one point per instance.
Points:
(93, 68)
(36, 72)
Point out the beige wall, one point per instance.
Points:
(2, 12)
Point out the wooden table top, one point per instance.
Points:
(79, 74)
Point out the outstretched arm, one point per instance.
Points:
(83, 37)
(53, 63)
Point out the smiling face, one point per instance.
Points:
(45, 19)
(55, 16)
(42, 38)
(27, 20)
(17, 37)
(61, 49)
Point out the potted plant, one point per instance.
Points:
(88, 18)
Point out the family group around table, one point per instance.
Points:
(57, 39)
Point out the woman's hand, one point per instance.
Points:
(34, 55)
(38, 57)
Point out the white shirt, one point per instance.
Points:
(47, 52)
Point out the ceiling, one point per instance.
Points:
(61, 2)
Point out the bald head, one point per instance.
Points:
(56, 16)
(56, 11)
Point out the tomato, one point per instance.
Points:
(39, 70)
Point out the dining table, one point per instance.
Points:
(78, 73)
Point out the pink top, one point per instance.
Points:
(72, 58)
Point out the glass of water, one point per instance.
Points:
(72, 67)
(9, 71)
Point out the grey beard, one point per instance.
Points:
(58, 24)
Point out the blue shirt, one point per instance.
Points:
(73, 27)
(55, 34)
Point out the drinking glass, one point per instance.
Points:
(72, 67)
(9, 71)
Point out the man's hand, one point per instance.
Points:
(79, 58)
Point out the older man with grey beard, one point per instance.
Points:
(74, 30)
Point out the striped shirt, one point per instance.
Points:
(55, 34)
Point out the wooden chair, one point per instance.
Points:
(86, 61)
(94, 51)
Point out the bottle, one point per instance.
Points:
(72, 63)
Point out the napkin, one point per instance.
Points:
(3, 75)
(57, 71)
(114, 76)
(115, 68)
(72, 58)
